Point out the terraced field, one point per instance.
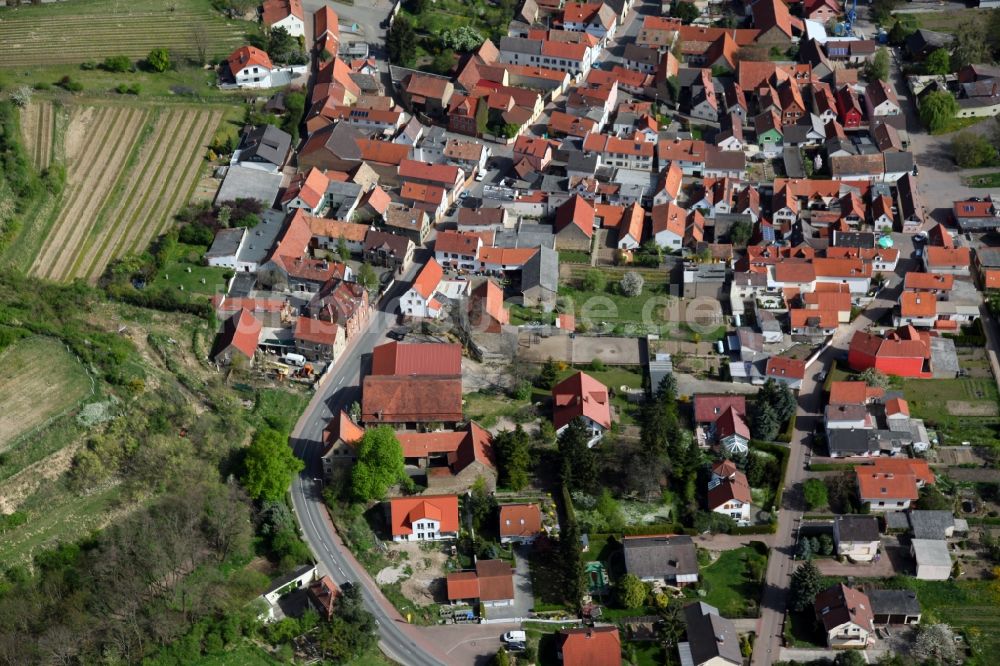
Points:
(74, 32)
(129, 170)
(38, 125)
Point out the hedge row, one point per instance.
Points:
(786, 436)
(781, 453)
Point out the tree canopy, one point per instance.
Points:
(877, 69)
(158, 60)
(938, 62)
(632, 591)
(578, 464)
(937, 110)
(806, 584)
(269, 466)
(513, 449)
(402, 42)
(379, 464)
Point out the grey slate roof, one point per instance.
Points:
(930, 524)
(896, 520)
(246, 183)
(792, 160)
(711, 636)
(226, 243)
(265, 143)
(894, 602)
(660, 556)
(898, 161)
(857, 528)
(541, 270)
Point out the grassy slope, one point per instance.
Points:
(39, 379)
(928, 399)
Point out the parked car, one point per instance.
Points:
(514, 637)
(481, 176)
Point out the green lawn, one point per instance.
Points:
(729, 588)
(802, 631)
(485, 408)
(39, 380)
(928, 400)
(646, 654)
(243, 655)
(488, 18)
(952, 20)
(969, 606)
(186, 270)
(990, 180)
(613, 378)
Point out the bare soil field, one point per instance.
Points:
(130, 170)
(39, 379)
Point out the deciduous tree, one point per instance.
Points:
(632, 591)
(379, 464)
(877, 69)
(937, 110)
(938, 62)
(158, 60)
(815, 493)
(631, 284)
(269, 465)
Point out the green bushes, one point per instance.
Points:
(782, 453)
(69, 84)
(124, 89)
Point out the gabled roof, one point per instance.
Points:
(669, 217)
(947, 257)
(489, 297)
(784, 367)
(769, 14)
(241, 331)
(590, 646)
(423, 359)
(727, 486)
(708, 408)
(710, 636)
(277, 10)
(839, 605)
(853, 393)
(248, 56)
(420, 399)
(580, 395)
(404, 511)
(457, 242)
(576, 211)
(928, 282)
(428, 279)
(520, 520)
(660, 556)
(316, 330)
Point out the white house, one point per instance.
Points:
(582, 397)
(669, 223)
(285, 14)
(933, 558)
(729, 492)
(226, 248)
(856, 537)
(420, 300)
(250, 67)
(424, 517)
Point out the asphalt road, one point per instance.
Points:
(342, 387)
(808, 417)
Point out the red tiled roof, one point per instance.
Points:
(991, 279)
(428, 279)
(920, 469)
(326, 20)
(669, 217)
(458, 242)
(241, 331)
(342, 428)
(248, 56)
(730, 423)
(444, 174)
(917, 304)
(590, 646)
(496, 580)
(520, 520)
(732, 486)
(928, 282)
(781, 366)
(801, 318)
(489, 296)
(708, 408)
(580, 395)
(428, 194)
(853, 393)
(576, 211)
(316, 330)
(407, 510)
(795, 272)
(424, 359)
(947, 257)
(897, 406)
(839, 605)
(462, 585)
(422, 399)
(276, 10)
